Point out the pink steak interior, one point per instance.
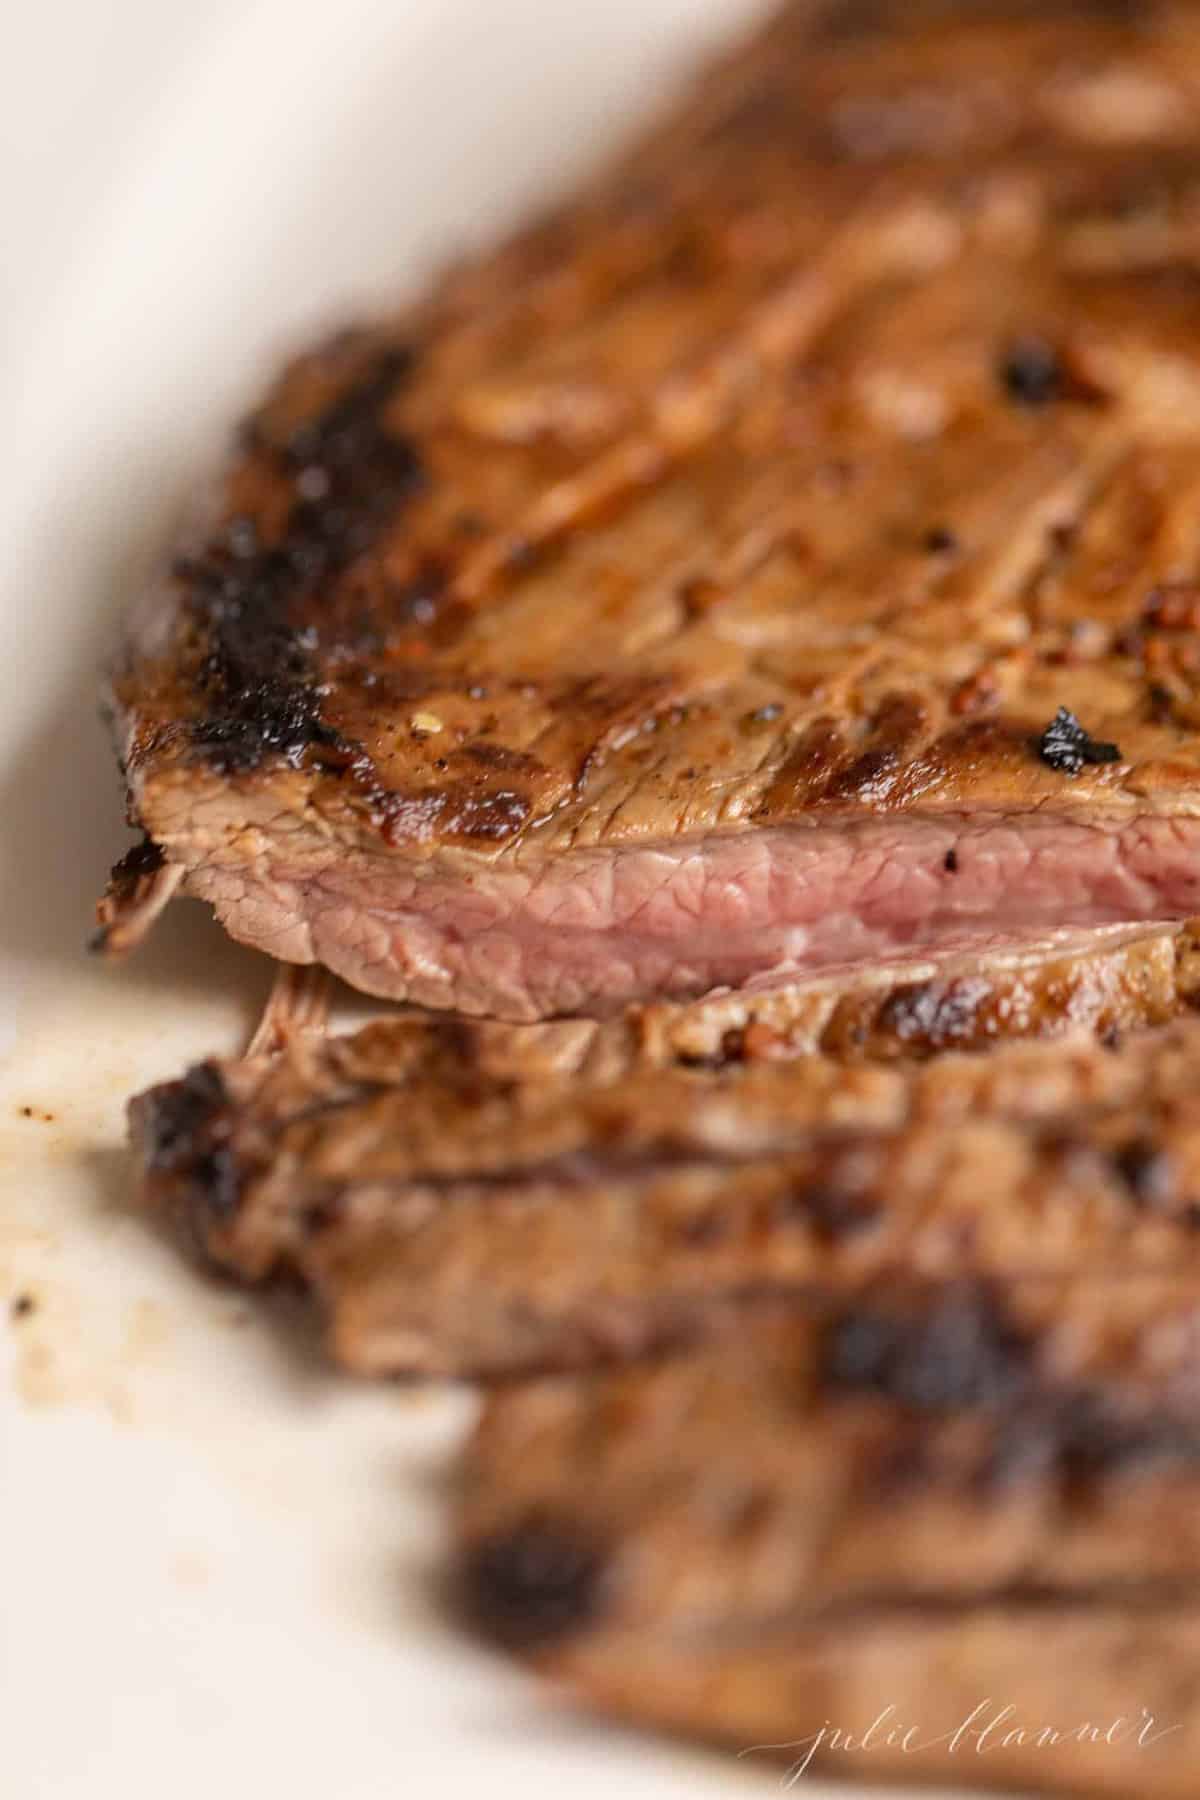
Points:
(590, 930)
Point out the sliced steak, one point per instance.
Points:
(785, 556)
(457, 1218)
(1097, 983)
(1102, 982)
(913, 1509)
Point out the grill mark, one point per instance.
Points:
(624, 704)
(691, 405)
(897, 728)
(1067, 537)
(812, 761)
(1167, 1596)
(835, 1190)
(809, 1195)
(1056, 523)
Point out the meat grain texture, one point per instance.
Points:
(782, 556)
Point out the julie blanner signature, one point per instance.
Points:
(991, 1726)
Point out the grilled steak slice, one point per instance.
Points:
(933, 1500)
(1103, 982)
(459, 1221)
(783, 556)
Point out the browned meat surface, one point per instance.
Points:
(934, 1500)
(1098, 982)
(690, 589)
(459, 1216)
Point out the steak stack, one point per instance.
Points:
(731, 657)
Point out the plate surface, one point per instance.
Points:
(218, 1562)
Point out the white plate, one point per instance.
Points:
(217, 1559)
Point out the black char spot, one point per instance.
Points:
(182, 1113)
(186, 1136)
(533, 1583)
(960, 1353)
(349, 474)
(216, 1180)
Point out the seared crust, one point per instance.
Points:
(917, 1505)
(1098, 982)
(803, 467)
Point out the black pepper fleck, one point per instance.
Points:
(834, 1214)
(705, 1228)
(241, 535)
(1067, 746)
(1160, 703)
(950, 862)
(1031, 372)
(523, 555)
(762, 715)
(22, 1306)
(1147, 1171)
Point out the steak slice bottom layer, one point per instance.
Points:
(466, 1202)
(939, 1532)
